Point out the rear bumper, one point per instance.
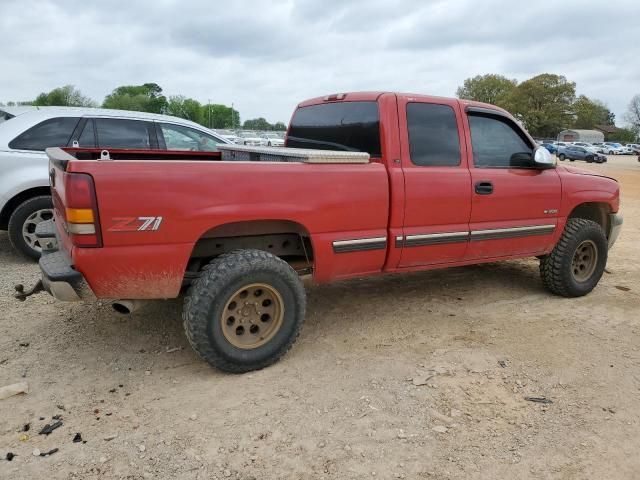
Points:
(615, 222)
(59, 278)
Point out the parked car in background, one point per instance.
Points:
(251, 139)
(551, 147)
(600, 147)
(227, 135)
(635, 148)
(273, 139)
(613, 148)
(576, 152)
(626, 150)
(25, 196)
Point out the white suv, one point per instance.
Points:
(25, 198)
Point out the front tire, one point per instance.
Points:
(244, 311)
(577, 262)
(562, 157)
(23, 222)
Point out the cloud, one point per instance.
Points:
(266, 56)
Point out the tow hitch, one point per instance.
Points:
(22, 295)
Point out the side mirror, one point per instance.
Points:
(543, 159)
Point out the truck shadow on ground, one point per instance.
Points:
(370, 306)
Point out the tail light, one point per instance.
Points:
(81, 210)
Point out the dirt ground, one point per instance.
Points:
(342, 404)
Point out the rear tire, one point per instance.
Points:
(23, 221)
(232, 333)
(562, 157)
(577, 262)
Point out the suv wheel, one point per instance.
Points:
(577, 262)
(244, 311)
(562, 157)
(23, 222)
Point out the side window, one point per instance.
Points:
(496, 143)
(54, 132)
(177, 137)
(87, 138)
(433, 135)
(120, 133)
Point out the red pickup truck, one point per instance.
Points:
(368, 183)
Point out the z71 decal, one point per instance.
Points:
(135, 224)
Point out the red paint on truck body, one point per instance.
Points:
(389, 197)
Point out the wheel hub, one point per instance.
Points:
(584, 261)
(252, 316)
(30, 224)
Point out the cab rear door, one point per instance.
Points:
(437, 182)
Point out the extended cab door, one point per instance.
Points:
(515, 204)
(437, 182)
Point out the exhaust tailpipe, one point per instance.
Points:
(127, 307)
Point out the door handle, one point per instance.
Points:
(484, 188)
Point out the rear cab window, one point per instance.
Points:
(53, 132)
(433, 135)
(345, 126)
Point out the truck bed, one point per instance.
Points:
(197, 200)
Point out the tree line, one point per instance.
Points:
(149, 97)
(547, 104)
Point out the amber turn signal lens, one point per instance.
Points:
(79, 215)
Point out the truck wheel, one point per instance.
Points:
(575, 265)
(562, 157)
(244, 311)
(23, 222)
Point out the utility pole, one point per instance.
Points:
(209, 109)
(233, 120)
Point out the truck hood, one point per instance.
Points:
(579, 171)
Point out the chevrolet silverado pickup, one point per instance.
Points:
(368, 183)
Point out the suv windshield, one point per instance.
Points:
(349, 126)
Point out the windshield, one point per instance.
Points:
(347, 126)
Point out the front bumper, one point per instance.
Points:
(615, 225)
(59, 278)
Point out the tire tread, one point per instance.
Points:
(204, 291)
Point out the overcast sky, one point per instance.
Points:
(266, 56)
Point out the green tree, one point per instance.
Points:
(67, 96)
(279, 126)
(220, 116)
(544, 103)
(183, 107)
(143, 98)
(490, 88)
(589, 113)
(624, 135)
(257, 124)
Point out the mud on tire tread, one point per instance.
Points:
(209, 293)
(555, 268)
